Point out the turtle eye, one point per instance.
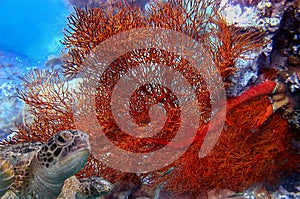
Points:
(61, 139)
(64, 138)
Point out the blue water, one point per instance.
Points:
(32, 28)
(30, 32)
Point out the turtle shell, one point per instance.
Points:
(15, 161)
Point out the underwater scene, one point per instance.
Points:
(150, 99)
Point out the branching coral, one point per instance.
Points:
(231, 43)
(198, 19)
(251, 148)
(88, 28)
(103, 3)
(47, 106)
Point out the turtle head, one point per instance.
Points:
(64, 154)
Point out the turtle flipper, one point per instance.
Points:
(6, 176)
(92, 187)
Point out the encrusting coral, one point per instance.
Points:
(253, 147)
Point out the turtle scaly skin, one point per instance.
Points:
(7, 175)
(40, 170)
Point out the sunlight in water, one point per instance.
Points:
(32, 27)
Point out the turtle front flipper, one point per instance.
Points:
(93, 187)
(6, 176)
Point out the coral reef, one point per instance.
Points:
(11, 65)
(91, 27)
(103, 3)
(259, 191)
(254, 146)
(285, 37)
(243, 151)
(278, 20)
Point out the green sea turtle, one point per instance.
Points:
(45, 171)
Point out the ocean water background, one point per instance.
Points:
(30, 33)
(32, 28)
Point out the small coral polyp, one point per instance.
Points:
(253, 147)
